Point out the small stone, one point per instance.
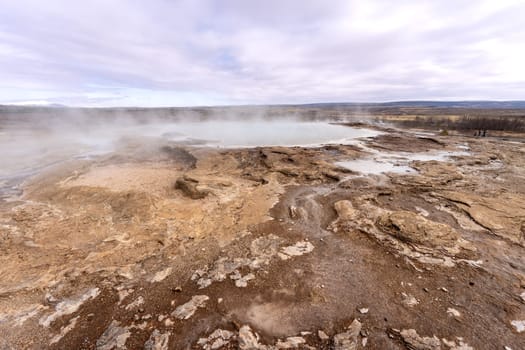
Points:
(242, 282)
(519, 325)
(453, 312)
(409, 300)
(444, 289)
(322, 335)
(363, 310)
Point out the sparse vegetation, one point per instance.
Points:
(466, 123)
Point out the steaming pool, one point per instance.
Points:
(25, 150)
(230, 134)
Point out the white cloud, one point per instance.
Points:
(229, 52)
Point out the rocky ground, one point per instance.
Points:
(270, 248)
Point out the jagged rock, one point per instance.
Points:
(298, 249)
(409, 300)
(410, 227)
(332, 175)
(453, 312)
(219, 271)
(242, 281)
(136, 303)
(322, 335)
(161, 275)
(290, 343)
(293, 212)
(189, 187)
(185, 311)
(297, 213)
(262, 250)
(519, 325)
(363, 310)
(345, 210)
(348, 339)
(265, 247)
(216, 340)
(288, 172)
(68, 307)
(248, 340)
(157, 341)
(414, 342)
(460, 345)
(114, 337)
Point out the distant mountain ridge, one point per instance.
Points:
(481, 104)
(427, 104)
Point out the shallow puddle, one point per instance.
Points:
(373, 166)
(396, 163)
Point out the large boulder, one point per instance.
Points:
(413, 228)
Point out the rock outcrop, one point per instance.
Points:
(189, 187)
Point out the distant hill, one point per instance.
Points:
(429, 104)
(392, 104)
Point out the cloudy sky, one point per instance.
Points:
(198, 52)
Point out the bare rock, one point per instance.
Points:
(322, 335)
(216, 340)
(297, 213)
(414, 342)
(157, 341)
(188, 186)
(503, 215)
(409, 300)
(185, 311)
(410, 227)
(114, 337)
(248, 340)
(345, 210)
(348, 339)
(298, 249)
(290, 343)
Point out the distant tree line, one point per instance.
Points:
(467, 122)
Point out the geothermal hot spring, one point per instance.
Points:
(27, 149)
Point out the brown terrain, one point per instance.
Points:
(270, 248)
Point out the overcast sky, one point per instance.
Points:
(198, 52)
